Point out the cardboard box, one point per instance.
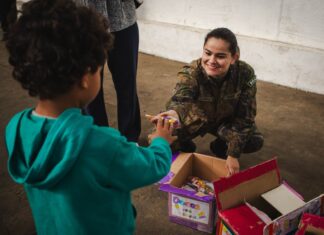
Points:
(311, 224)
(257, 201)
(192, 209)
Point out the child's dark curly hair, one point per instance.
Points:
(54, 43)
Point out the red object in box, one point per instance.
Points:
(311, 223)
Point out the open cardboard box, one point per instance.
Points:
(192, 209)
(257, 201)
(311, 224)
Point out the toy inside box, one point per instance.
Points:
(256, 201)
(311, 224)
(190, 201)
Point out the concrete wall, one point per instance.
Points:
(282, 39)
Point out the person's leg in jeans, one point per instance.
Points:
(122, 63)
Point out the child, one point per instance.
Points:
(78, 176)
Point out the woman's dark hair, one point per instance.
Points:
(225, 34)
(54, 43)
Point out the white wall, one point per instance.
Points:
(282, 39)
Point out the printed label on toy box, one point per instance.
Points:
(190, 209)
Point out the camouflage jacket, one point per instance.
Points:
(201, 103)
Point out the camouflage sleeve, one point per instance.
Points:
(243, 124)
(184, 101)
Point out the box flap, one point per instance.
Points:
(208, 167)
(246, 185)
(179, 162)
(167, 178)
(175, 166)
(283, 199)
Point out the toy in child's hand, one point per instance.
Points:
(172, 120)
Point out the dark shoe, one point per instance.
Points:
(187, 146)
(219, 148)
(254, 144)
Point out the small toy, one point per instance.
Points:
(199, 185)
(172, 120)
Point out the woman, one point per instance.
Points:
(216, 94)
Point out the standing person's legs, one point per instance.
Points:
(4, 11)
(12, 13)
(97, 108)
(122, 63)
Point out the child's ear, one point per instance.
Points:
(84, 83)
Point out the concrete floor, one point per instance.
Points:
(292, 122)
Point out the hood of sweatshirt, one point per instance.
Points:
(41, 150)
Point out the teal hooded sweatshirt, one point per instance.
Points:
(79, 176)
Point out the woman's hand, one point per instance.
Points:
(232, 164)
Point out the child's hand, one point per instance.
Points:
(169, 115)
(164, 129)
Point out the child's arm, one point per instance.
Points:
(135, 167)
(128, 166)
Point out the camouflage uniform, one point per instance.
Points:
(224, 107)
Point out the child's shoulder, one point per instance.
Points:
(17, 117)
(77, 122)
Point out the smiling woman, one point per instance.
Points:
(219, 53)
(216, 58)
(216, 95)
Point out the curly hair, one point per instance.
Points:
(54, 43)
